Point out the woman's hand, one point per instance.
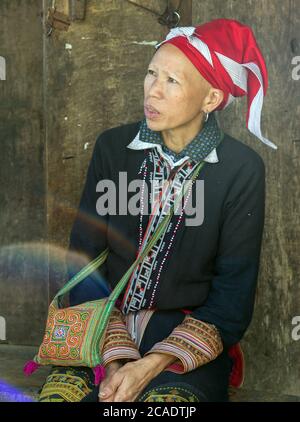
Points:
(128, 382)
(111, 369)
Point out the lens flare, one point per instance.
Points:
(8, 393)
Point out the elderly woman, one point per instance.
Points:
(192, 296)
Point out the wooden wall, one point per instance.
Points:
(61, 91)
(23, 228)
(272, 356)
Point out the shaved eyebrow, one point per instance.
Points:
(174, 72)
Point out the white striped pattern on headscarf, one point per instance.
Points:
(237, 72)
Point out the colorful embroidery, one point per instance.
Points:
(193, 342)
(60, 332)
(118, 343)
(67, 385)
(73, 335)
(66, 325)
(168, 394)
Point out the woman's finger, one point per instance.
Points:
(108, 399)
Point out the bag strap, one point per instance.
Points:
(98, 261)
(82, 274)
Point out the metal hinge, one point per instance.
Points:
(62, 21)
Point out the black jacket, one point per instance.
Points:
(213, 267)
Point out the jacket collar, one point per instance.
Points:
(202, 147)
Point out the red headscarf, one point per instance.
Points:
(226, 54)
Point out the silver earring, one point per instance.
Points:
(206, 117)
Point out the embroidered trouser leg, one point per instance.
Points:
(208, 383)
(69, 384)
(66, 384)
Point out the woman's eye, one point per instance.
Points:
(151, 72)
(173, 80)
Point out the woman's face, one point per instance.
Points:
(174, 88)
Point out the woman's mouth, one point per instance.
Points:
(151, 113)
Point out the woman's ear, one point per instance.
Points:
(213, 99)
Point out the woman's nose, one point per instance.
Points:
(156, 88)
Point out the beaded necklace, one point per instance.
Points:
(143, 285)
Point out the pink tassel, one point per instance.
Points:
(30, 367)
(99, 372)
